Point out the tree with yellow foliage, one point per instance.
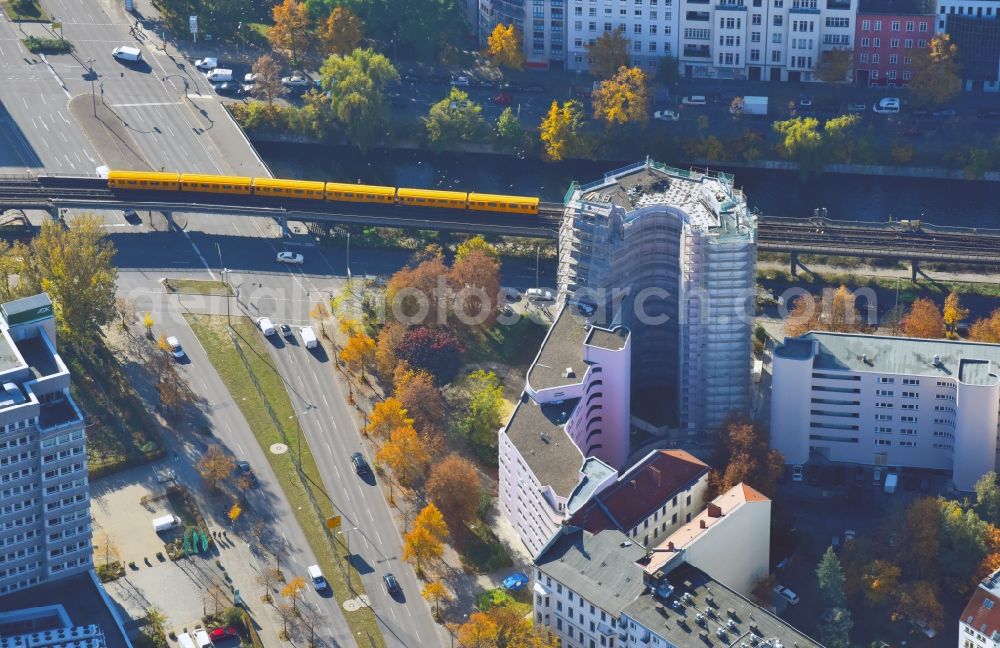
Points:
(358, 352)
(291, 31)
(387, 416)
(953, 311)
(342, 32)
(880, 578)
(560, 131)
(623, 98)
(478, 632)
(434, 592)
(986, 329)
(608, 54)
(425, 540)
(293, 590)
(936, 77)
(504, 46)
(405, 454)
(234, 513)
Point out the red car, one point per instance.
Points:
(221, 634)
(502, 99)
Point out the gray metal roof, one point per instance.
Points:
(601, 568)
(968, 362)
(537, 433)
(562, 349)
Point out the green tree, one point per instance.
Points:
(835, 627)
(454, 119)
(988, 498)
(963, 544)
(482, 415)
(356, 85)
(74, 266)
(936, 77)
(561, 131)
(509, 131)
(810, 145)
(608, 53)
(830, 575)
(834, 65)
(415, 29)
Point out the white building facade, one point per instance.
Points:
(44, 493)
(650, 26)
(569, 435)
(979, 625)
(887, 401)
(974, 27)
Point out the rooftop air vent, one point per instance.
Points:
(721, 632)
(627, 543)
(731, 624)
(937, 361)
(569, 373)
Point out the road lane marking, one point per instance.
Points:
(371, 516)
(151, 103)
(241, 449)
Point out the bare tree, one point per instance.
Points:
(267, 79)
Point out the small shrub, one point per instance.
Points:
(37, 45)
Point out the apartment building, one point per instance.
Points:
(569, 435)
(597, 588)
(542, 24)
(669, 254)
(649, 25)
(979, 625)
(888, 33)
(44, 494)
(974, 27)
(887, 401)
(772, 40)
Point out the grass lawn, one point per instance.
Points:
(305, 493)
(922, 286)
(120, 432)
(197, 287)
(24, 10)
(482, 552)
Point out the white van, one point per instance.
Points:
(316, 575)
(694, 100)
(127, 54)
(184, 640)
(308, 337)
(166, 523)
(202, 639)
(219, 75)
(265, 326)
(886, 106)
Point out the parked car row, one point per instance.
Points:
(838, 476)
(309, 339)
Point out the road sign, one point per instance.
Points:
(193, 21)
(333, 522)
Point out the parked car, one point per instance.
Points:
(286, 331)
(295, 81)
(502, 99)
(290, 257)
(243, 467)
(666, 115)
(359, 463)
(922, 626)
(391, 584)
(230, 88)
(857, 107)
(207, 63)
(798, 473)
(249, 77)
(694, 100)
(265, 326)
(806, 101)
(221, 634)
(791, 597)
(947, 113)
(539, 294)
(516, 581)
(886, 106)
(175, 347)
(534, 89)
(132, 217)
(460, 81)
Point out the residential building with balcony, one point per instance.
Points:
(650, 26)
(669, 254)
(44, 493)
(771, 40)
(974, 27)
(568, 437)
(888, 33)
(604, 589)
(979, 625)
(886, 401)
(542, 24)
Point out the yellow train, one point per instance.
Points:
(310, 190)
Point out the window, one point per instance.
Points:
(865, 42)
(908, 444)
(895, 25)
(863, 57)
(755, 19)
(923, 26)
(910, 406)
(909, 25)
(892, 59)
(754, 37)
(883, 442)
(875, 57)
(883, 392)
(866, 25)
(777, 22)
(883, 430)
(776, 54)
(891, 74)
(755, 55)
(907, 75)
(894, 43)
(882, 404)
(838, 22)
(776, 38)
(921, 43)
(883, 417)
(878, 26)
(876, 43)
(882, 380)
(911, 381)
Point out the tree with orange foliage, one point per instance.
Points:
(425, 541)
(803, 317)
(421, 398)
(405, 454)
(880, 578)
(924, 320)
(419, 295)
(986, 329)
(454, 487)
(478, 632)
(836, 311)
(342, 32)
(291, 31)
(386, 416)
(476, 280)
(748, 458)
(358, 352)
(386, 346)
(435, 592)
(918, 601)
(514, 630)
(920, 541)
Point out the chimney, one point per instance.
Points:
(634, 484)
(657, 475)
(701, 523)
(714, 510)
(670, 546)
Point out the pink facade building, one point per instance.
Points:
(887, 35)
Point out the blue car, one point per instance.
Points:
(515, 582)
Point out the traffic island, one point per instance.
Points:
(108, 132)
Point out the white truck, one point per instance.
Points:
(308, 337)
(166, 523)
(749, 105)
(890, 482)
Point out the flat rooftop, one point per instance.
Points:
(8, 357)
(36, 353)
(612, 340)
(79, 598)
(969, 362)
(674, 618)
(562, 349)
(708, 199)
(537, 433)
(600, 567)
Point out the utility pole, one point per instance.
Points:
(538, 251)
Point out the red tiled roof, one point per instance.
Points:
(984, 619)
(640, 491)
(752, 495)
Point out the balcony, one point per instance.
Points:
(698, 16)
(697, 51)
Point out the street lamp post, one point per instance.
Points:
(348, 258)
(538, 251)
